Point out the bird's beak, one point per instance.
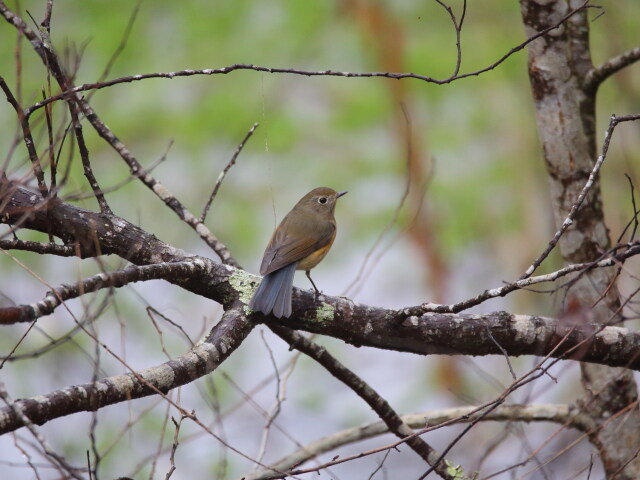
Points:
(341, 194)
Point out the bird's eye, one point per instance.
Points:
(322, 200)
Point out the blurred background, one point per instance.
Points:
(476, 213)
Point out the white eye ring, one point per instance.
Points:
(322, 200)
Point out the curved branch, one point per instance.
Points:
(79, 104)
(120, 278)
(202, 359)
(21, 26)
(379, 405)
(556, 413)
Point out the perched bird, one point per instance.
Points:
(300, 242)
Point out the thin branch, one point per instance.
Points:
(231, 163)
(633, 221)
(120, 278)
(350, 290)
(37, 247)
(616, 254)
(458, 29)
(556, 413)
(505, 354)
(28, 138)
(201, 360)
(174, 447)
(15, 408)
(130, 178)
(281, 387)
(123, 41)
(53, 168)
(364, 391)
(615, 120)
(307, 73)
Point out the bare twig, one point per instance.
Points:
(555, 413)
(174, 447)
(504, 353)
(130, 178)
(370, 396)
(275, 409)
(52, 159)
(634, 219)
(615, 120)
(60, 460)
(308, 73)
(616, 254)
(457, 25)
(28, 138)
(231, 163)
(350, 290)
(123, 41)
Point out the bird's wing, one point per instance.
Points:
(293, 241)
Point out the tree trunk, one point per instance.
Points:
(565, 113)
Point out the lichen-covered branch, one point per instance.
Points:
(202, 359)
(424, 334)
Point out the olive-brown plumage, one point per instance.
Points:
(300, 242)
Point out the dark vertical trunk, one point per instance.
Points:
(565, 111)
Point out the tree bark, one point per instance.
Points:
(565, 111)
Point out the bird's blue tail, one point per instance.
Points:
(274, 292)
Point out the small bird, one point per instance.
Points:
(300, 242)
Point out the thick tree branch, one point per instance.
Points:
(599, 74)
(76, 104)
(202, 359)
(425, 334)
(92, 234)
